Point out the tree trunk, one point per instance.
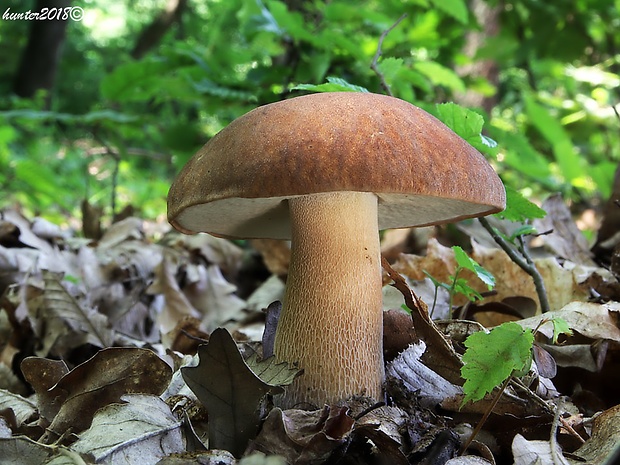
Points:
(153, 33)
(40, 58)
(488, 17)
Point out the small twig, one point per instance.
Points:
(524, 261)
(375, 61)
(518, 384)
(485, 416)
(191, 337)
(367, 410)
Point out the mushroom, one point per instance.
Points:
(328, 171)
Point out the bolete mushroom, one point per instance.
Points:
(328, 171)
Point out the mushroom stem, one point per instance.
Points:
(331, 323)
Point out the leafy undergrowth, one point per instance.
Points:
(146, 347)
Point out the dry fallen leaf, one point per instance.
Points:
(213, 297)
(533, 452)
(80, 324)
(429, 386)
(303, 437)
(23, 409)
(385, 427)
(121, 231)
(21, 450)
(562, 237)
(42, 374)
(140, 430)
(595, 321)
(217, 251)
(175, 306)
(439, 262)
(564, 282)
(276, 254)
(605, 437)
(100, 381)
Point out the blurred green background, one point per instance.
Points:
(105, 110)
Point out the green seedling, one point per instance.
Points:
(493, 359)
(459, 285)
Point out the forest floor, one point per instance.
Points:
(99, 337)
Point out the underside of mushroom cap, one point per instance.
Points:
(238, 184)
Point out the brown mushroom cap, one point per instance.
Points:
(422, 172)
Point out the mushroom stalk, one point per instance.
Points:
(332, 322)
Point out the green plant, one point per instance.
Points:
(458, 284)
(495, 358)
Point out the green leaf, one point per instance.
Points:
(560, 326)
(466, 123)
(134, 81)
(207, 86)
(117, 424)
(292, 22)
(523, 230)
(564, 151)
(518, 208)
(334, 84)
(390, 68)
(38, 177)
(7, 135)
(465, 261)
(461, 286)
(440, 75)
(412, 77)
(492, 357)
(455, 8)
(522, 156)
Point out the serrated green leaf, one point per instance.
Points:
(334, 84)
(390, 67)
(518, 208)
(462, 259)
(466, 123)
(492, 357)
